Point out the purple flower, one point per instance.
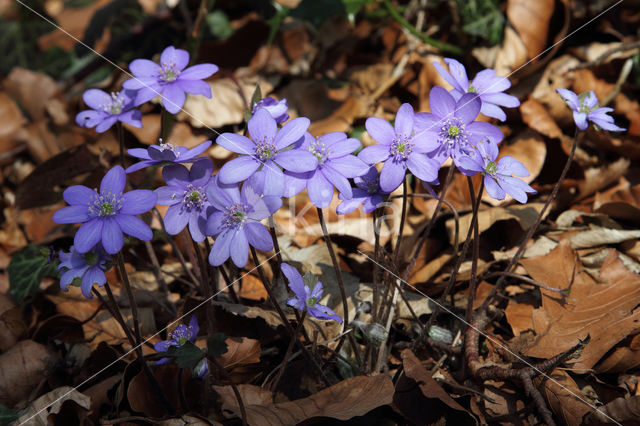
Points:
(171, 79)
(451, 127)
(277, 109)
(237, 221)
(165, 153)
(486, 84)
(335, 165)
(399, 149)
(498, 177)
(367, 194)
(585, 107)
(267, 148)
(308, 292)
(185, 193)
(107, 109)
(181, 335)
(89, 267)
(105, 215)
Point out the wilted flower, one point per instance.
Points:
(400, 148)
(105, 215)
(178, 337)
(367, 194)
(486, 84)
(107, 109)
(89, 267)
(498, 176)
(164, 154)
(171, 79)
(185, 193)
(335, 165)
(585, 107)
(268, 148)
(277, 109)
(451, 127)
(308, 292)
(236, 224)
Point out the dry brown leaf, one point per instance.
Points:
(538, 118)
(597, 236)
(51, 403)
(620, 202)
(342, 118)
(351, 397)
(141, 395)
(531, 20)
(597, 178)
(607, 312)
(560, 395)
(252, 288)
(519, 316)
(241, 351)
(32, 90)
(21, 369)
(623, 358)
(75, 21)
(620, 410)
(12, 120)
(512, 53)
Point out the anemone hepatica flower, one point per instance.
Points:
(267, 151)
(89, 267)
(451, 127)
(498, 176)
(236, 224)
(171, 79)
(185, 193)
(105, 215)
(164, 154)
(308, 292)
(178, 337)
(366, 194)
(585, 107)
(277, 109)
(335, 165)
(399, 149)
(107, 109)
(486, 84)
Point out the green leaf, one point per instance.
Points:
(217, 345)
(7, 415)
(353, 6)
(218, 25)
(27, 269)
(186, 356)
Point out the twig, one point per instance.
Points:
(225, 373)
(528, 281)
(132, 301)
(624, 74)
(600, 59)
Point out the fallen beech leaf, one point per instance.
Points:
(597, 236)
(623, 357)
(512, 53)
(607, 312)
(519, 316)
(538, 118)
(531, 20)
(240, 351)
(51, 403)
(597, 178)
(620, 202)
(620, 409)
(11, 323)
(32, 90)
(21, 369)
(12, 120)
(351, 397)
(560, 394)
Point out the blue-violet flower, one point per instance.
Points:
(585, 107)
(89, 267)
(164, 154)
(107, 109)
(366, 194)
(178, 337)
(277, 109)
(308, 292)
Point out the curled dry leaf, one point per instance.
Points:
(12, 120)
(512, 53)
(531, 21)
(21, 369)
(352, 397)
(560, 394)
(624, 357)
(537, 117)
(621, 202)
(32, 90)
(608, 311)
(11, 323)
(51, 403)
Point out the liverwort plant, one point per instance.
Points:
(400, 148)
(269, 150)
(88, 267)
(165, 153)
(486, 84)
(107, 109)
(179, 337)
(585, 108)
(171, 79)
(236, 223)
(185, 194)
(308, 292)
(105, 215)
(277, 109)
(366, 194)
(335, 165)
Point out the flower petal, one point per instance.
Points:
(174, 57)
(238, 169)
(320, 191)
(423, 167)
(508, 165)
(195, 87)
(392, 175)
(296, 160)
(106, 124)
(215, 223)
(262, 126)
(96, 99)
(404, 120)
(175, 219)
(493, 188)
(296, 283)
(491, 110)
(196, 150)
(197, 226)
(236, 143)
(291, 132)
(78, 195)
(138, 201)
(112, 239)
(134, 226)
(258, 236)
(88, 235)
(199, 72)
(200, 172)
(380, 130)
(343, 147)
(459, 74)
(348, 166)
(441, 102)
(374, 154)
(479, 130)
(468, 107)
(581, 119)
(239, 249)
(144, 68)
(338, 180)
(502, 99)
(273, 179)
(113, 181)
(173, 98)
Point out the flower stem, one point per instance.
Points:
(132, 300)
(289, 350)
(516, 257)
(403, 215)
(121, 140)
(243, 411)
(376, 269)
(473, 281)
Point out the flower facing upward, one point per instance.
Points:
(89, 267)
(335, 165)
(236, 224)
(107, 109)
(366, 194)
(171, 79)
(105, 215)
(277, 109)
(486, 84)
(498, 176)
(400, 148)
(185, 193)
(308, 292)
(585, 107)
(165, 153)
(451, 126)
(267, 150)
